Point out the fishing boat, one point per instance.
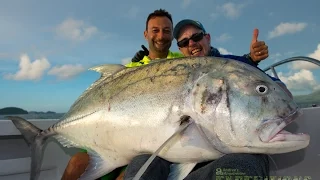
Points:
(15, 154)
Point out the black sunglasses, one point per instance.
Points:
(195, 37)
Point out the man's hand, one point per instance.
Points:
(258, 49)
(140, 54)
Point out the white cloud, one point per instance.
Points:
(286, 28)
(66, 71)
(75, 30)
(305, 64)
(223, 37)
(125, 61)
(275, 56)
(107, 35)
(300, 81)
(231, 10)
(214, 16)
(289, 53)
(224, 51)
(316, 53)
(185, 3)
(29, 70)
(133, 12)
(4, 55)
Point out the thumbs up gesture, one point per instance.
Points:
(258, 49)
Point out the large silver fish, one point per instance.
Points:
(233, 107)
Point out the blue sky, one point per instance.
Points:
(46, 47)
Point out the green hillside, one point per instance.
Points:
(12, 110)
(308, 100)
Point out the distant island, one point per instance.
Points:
(16, 110)
(12, 110)
(308, 100)
(48, 112)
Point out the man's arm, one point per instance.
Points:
(76, 166)
(249, 59)
(258, 51)
(244, 59)
(140, 54)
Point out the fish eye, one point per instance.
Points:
(262, 89)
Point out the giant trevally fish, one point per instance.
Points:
(231, 107)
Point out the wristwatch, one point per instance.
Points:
(250, 59)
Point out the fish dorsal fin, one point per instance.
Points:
(107, 70)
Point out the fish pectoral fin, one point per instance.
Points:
(97, 167)
(108, 69)
(180, 171)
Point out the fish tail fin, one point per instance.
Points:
(35, 140)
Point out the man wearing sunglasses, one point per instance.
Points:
(193, 40)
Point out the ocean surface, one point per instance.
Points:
(35, 116)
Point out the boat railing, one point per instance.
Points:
(296, 58)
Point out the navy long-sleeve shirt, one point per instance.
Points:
(215, 52)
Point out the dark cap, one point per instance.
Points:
(182, 23)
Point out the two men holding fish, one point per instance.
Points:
(159, 35)
(131, 111)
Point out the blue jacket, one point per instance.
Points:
(215, 52)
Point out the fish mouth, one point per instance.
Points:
(274, 129)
